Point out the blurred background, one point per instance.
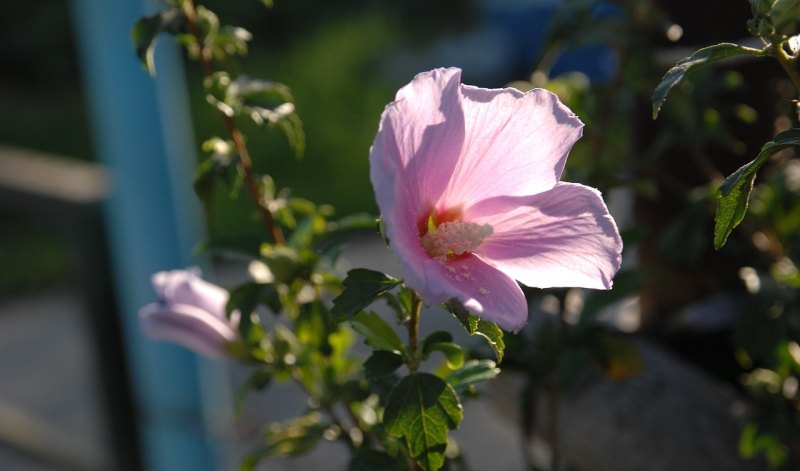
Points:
(76, 379)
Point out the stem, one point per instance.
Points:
(788, 63)
(413, 330)
(245, 162)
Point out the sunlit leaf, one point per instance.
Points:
(734, 193)
(477, 326)
(422, 408)
(376, 331)
(700, 58)
(473, 372)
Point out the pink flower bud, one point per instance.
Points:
(190, 312)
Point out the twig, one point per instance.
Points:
(245, 162)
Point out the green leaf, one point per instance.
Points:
(377, 333)
(473, 371)
(434, 338)
(400, 304)
(146, 30)
(734, 193)
(314, 325)
(267, 3)
(422, 408)
(283, 261)
(291, 438)
(477, 326)
(453, 353)
(703, 57)
(361, 288)
(381, 363)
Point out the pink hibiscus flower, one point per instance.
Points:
(467, 182)
(191, 312)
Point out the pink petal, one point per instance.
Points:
(186, 287)
(420, 137)
(515, 144)
(560, 238)
(484, 290)
(189, 326)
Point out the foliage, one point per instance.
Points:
(295, 252)
(398, 407)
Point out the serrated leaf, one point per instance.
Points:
(291, 438)
(146, 30)
(473, 372)
(700, 58)
(422, 408)
(377, 333)
(361, 288)
(477, 326)
(734, 193)
(381, 363)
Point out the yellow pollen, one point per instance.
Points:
(454, 238)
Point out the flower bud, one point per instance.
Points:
(761, 7)
(190, 312)
(785, 15)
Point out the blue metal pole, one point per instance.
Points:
(142, 132)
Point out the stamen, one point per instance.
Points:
(454, 238)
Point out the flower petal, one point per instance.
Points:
(187, 325)
(420, 137)
(515, 144)
(186, 287)
(484, 290)
(560, 238)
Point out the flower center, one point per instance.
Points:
(453, 238)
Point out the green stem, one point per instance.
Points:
(789, 64)
(245, 162)
(413, 331)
